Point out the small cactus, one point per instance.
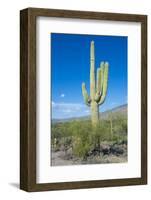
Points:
(98, 89)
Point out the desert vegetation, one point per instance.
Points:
(78, 142)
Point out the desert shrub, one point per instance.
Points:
(83, 138)
(81, 147)
(120, 124)
(81, 143)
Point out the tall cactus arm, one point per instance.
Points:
(85, 95)
(105, 83)
(99, 80)
(98, 91)
(102, 66)
(100, 72)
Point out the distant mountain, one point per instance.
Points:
(120, 110)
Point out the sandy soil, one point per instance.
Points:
(59, 158)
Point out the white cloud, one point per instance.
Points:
(67, 110)
(113, 103)
(62, 95)
(87, 111)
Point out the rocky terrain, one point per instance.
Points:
(73, 144)
(107, 153)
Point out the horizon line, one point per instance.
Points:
(89, 115)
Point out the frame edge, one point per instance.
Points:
(23, 99)
(27, 101)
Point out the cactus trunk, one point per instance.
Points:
(94, 113)
(94, 105)
(92, 72)
(98, 89)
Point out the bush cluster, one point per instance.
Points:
(82, 138)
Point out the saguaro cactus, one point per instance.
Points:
(98, 88)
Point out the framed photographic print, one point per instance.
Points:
(83, 99)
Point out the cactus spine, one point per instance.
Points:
(98, 88)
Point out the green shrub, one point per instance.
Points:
(83, 138)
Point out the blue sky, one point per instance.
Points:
(70, 66)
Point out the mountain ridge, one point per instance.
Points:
(122, 109)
